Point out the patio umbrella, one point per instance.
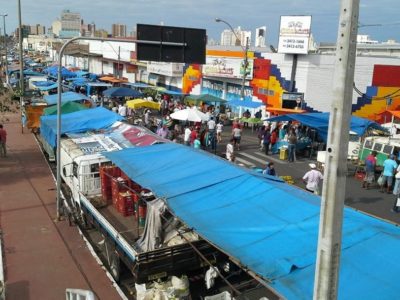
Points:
(121, 92)
(189, 114)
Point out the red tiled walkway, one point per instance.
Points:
(41, 258)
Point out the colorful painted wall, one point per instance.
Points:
(382, 95)
(267, 84)
(376, 77)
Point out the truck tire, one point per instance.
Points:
(115, 266)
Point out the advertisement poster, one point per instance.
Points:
(294, 34)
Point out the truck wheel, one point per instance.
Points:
(115, 266)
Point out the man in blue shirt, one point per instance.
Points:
(389, 168)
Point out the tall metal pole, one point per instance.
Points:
(119, 58)
(333, 193)
(5, 46)
(60, 55)
(245, 65)
(21, 65)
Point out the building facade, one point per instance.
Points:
(70, 24)
(118, 30)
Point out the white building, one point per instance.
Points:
(261, 36)
(228, 38)
(56, 27)
(365, 39)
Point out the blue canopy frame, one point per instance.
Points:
(320, 121)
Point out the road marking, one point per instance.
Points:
(279, 161)
(253, 158)
(243, 161)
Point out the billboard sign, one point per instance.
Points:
(219, 66)
(294, 34)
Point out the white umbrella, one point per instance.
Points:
(189, 114)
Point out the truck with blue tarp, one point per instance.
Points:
(149, 248)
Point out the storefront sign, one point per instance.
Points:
(218, 66)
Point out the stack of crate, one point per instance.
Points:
(106, 175)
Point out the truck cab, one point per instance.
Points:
(80, 170)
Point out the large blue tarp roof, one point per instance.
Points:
(320, 121)
(80, 121)
(65, 97)
(269, 226)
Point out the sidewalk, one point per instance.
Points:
(41, 257)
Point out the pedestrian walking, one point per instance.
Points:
(312, 179)
(396, 191)
(389, 167)
(370, 163)
(186, 137)
(3, 141)
(230, 151)
(266, 140)
(220, 128)
(292, 141)
(237, 135)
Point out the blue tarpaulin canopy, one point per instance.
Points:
(248, 104)
(80, 121)
(267, 225)
(53, 71)
(65, 97)
(320, 121)
(121, 92)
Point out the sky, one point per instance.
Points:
(202, 13)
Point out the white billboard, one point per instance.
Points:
(294, 34)
(227, 67)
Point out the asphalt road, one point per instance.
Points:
(370, 201)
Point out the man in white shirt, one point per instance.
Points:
(122, 110)
(211, 124)
(312, 179)
(186, 137)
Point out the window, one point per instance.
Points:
(378, 147)
(75, 169)
(368, 144)
(387, 149)
(94, 169)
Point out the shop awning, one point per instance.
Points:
(205, 98)
(270, 227)
(284, 111)
(247, 104)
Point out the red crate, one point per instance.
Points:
(125, 204)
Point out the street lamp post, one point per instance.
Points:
(5, 45)
(246, 60)
(21, 66)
